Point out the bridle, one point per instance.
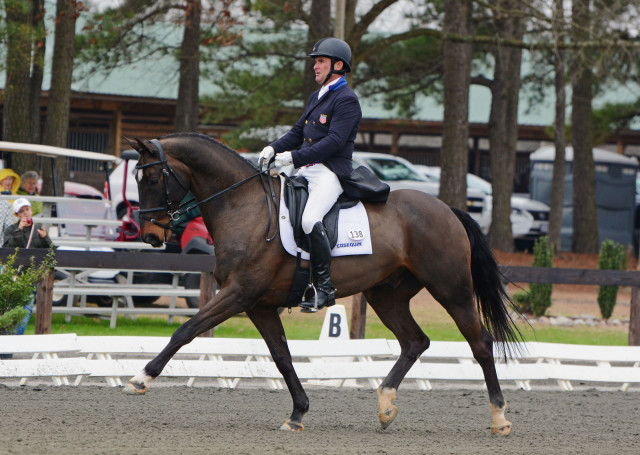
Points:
(191, 204)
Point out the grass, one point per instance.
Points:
(306, 326)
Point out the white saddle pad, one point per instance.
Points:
(354, 236)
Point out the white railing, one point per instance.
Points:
(231, 360)
(77, 287)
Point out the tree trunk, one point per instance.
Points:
(585, 216)
(15, 120)
(57, 122)
(318, 29)
(503, 129)
(37, 72)
(559, 163)
(187, 108)
(457, 76)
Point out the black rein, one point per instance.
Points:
(187, 206)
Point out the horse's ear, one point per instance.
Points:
(131, 144)
(142, 147)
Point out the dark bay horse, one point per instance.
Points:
(418, 242)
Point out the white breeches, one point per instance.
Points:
(324, 190)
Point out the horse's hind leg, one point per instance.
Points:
(392, 306)
(457, 299)
(270, 327)
(481, 342)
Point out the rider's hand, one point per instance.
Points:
(267, 153)
(284, 159)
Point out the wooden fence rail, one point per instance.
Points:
(122, 260)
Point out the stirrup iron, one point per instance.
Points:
(307, 308)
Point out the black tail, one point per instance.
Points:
(493, 301)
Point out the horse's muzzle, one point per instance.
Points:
(153, 240)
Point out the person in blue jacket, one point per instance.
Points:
(320, 145)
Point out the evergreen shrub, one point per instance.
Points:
(16, 288)
(541, 292)
(612, 257)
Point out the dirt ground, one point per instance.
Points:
(179, 420)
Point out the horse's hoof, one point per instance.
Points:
(135, 388)
(502, 430)
(499, 425)
(387, 411)
(387, 416)
(290, 425)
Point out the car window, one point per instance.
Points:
(392, 170)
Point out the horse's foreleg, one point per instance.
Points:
(268, 323)
(392, 306)
(221, 307)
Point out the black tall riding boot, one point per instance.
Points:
(320, 256)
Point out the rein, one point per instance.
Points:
(188, 206)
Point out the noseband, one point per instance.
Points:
(189, 205)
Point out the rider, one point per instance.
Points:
(322, 143)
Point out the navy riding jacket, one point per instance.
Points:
(326, 131)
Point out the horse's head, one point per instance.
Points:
(163, 182)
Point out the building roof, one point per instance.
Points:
(548, 153)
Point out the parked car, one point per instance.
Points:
(399, 173)
(529, 218)
(81, 190)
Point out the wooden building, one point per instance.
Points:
(98, 122)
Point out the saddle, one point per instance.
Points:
(296, 195)
(361, 185)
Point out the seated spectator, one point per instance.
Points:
(29, 187)
(22, 234)
(25, 234)
(9, 181)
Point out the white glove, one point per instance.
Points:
(267, 153)
(284, 159)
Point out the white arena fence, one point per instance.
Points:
(68, 359)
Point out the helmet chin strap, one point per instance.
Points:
(333, 71)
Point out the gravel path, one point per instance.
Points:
(179, 420)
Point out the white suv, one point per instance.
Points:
(529, 218)
(399, 173)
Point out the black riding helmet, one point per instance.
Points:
(336, 49)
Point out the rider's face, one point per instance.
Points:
(323, 67)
